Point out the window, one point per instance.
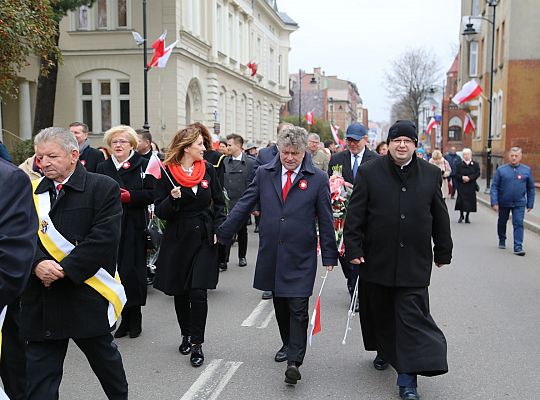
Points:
(196, 23)
(479, 120)
(494, 105)
(122, 13)
(501, 46)
(219, 29)
(280, 69)
(239, 55)
(496, 47)
(475, 7)
(104, 99)
(473, 58)
(230, 28)
(271, 73)
(454, 129)
(82, 22)
(499, 115)
(103, 15)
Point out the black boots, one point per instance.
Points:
(131, 323)
(123, 329)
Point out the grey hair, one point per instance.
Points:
(467, 150)
(62, 136)
(516, 150)
(314, 136)
(293, 136)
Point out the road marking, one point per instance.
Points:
(267, 320)
(212, 381)
(250, 321)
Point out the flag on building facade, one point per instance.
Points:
(161, 52)
(468, 92)
(468, 125)
(310, 118)
(432, 124)
(252, 68)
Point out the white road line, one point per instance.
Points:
(267, 320)
(212, 381)
(250, 321)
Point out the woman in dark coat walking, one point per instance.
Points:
(188, 260)
(127, 168)
(467, 172)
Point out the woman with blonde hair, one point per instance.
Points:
(438, 160)
(193, 207)
(127, 168)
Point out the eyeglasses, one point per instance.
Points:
(399, 142)
(122, 142)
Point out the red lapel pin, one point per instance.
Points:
(302, 184)
(204, 184)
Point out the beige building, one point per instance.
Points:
(206, 78)
(516, 87)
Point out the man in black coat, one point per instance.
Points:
(88, 156)
(18, 226)
(395, 212)
(79, 232)
(348, 161)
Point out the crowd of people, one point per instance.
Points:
(81, 227)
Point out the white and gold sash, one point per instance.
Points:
(59, 248)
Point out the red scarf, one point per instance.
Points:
(199, 169)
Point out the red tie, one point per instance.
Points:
(287, 186)
(59, 187)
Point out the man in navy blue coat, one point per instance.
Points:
(294, 197)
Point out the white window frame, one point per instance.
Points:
(93, 17)
(499, 114)
(479, 121)
(473, 58)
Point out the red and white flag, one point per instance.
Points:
(468, 92)
(161, 52)
(310, 118)
(468, 125)
(154, 167)
(162, 62)
(315, 323)
(337, 139)
(252, 65)
(432, 124)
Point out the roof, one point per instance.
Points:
(454, 67)
(286, 19)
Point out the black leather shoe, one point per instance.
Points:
(459, 221)
(197, 356)
(379, 364)
(467, 221)
(267, 295)
(135, 322)
(185, 347)
(242, 262)
(292, 374)
(222, 266)
(281, 355)
(256, 229)
(408, 393)
(122, 329)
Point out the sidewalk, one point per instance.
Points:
(532, 218)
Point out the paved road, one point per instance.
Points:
(486, 302)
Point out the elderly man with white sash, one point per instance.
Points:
(72, 293)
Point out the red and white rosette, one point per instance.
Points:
(126, 165)
(303, 184)
(204, 184)
(83, 162)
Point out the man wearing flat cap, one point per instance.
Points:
(395, 212)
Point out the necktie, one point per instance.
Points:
(59, 187)
(287, 186)
(355, 166)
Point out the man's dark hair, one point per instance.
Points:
(237, 139)
(145, 133)
(328, 143)
(81, 124)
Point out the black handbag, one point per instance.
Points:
(153, 236)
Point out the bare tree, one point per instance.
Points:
(400, 111)
(409, 80)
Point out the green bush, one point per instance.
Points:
(22, 150)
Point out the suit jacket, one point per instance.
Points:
(344, 158)
(90, 158)
(238, 176)
(87, 212)
(18, 227)
(392, 219)
(287, 257)
(267, 154)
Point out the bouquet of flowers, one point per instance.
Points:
(340, 194)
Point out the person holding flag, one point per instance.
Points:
(293, 197)
(126, 166)
(73, 292)
(192, 204)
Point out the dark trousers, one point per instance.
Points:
(351, 273)
(292, 318)
(518, 215)
(45, 361)
(13, 363)
(191, 310)
(242, 236)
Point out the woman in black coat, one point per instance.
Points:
(193, 208)
(127, 168)
(467, 172)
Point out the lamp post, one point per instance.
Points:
(331, 101)
(469, 30)
(145, 60)
(299, 97)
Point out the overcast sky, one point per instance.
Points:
(357, 39)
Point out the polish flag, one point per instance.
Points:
(315, 323)
(154, 167)
(334, 129)
(252, 67)
(310, 118)
(468, 92)
(432, 124)
(468, 125)
(162, 61)
(159, 50)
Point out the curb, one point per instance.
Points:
(531, 226)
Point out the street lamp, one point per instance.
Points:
(331, 101)
(469, 30)
(299, 97)
(145, 60)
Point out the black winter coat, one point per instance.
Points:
(188, 257)
(343, 158)
(90, 158)
(132, 249)
(466, 199)
(392, 219)
(238, 175)
(88, 213)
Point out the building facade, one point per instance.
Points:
(516, 87)
(206, 78)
